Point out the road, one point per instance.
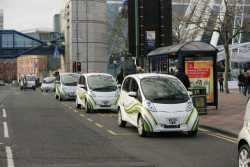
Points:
(36, 130)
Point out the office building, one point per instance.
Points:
(85, 35)
(1, 19)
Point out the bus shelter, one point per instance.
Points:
(197, 59)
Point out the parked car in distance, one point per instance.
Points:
(65, 87)
(28, 82)
(156, 103)
(2, 83)
(244, 140)
(97, 91)
(48, 84)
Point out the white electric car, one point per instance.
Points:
(66, 85)
(48, 84)
(156, 103)
(97, 91)
(244, 140)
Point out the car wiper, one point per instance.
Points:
(171, 97)
(106, 87)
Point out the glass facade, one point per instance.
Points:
(14, 40)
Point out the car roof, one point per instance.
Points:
(66, 73)
(146, 75)
(91, 74)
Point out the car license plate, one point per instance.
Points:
(173, 121)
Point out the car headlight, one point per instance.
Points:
(117, 93)
(150, 106)
(91, 93)
(190, 106)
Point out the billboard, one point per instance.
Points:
(200, 73)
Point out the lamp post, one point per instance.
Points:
(87, 37)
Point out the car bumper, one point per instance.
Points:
(181, 128)
(99, 107)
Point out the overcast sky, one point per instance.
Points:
(28, 14)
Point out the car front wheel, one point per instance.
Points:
(78, 106)
(121, 123)
(87, 107)
(243, 157)
(140, 127)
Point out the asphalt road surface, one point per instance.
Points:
(36, 130)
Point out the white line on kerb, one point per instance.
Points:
(5, 128)
(10, 161)
(4, 113)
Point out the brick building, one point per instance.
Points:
(32, 64)
(8, 69)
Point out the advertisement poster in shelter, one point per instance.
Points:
(200, 73)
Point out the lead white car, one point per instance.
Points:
(244, 140)
(156, 103)
(97, 91)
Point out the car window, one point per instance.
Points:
(102, 83)
(126, 85)
(134, 86)
(82, 80)
(70, 79)
(164, 90)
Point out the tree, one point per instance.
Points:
(117, 37)
(218, 19)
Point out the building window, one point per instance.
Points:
(7, 40)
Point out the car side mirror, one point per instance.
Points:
(132, 94)
(190, 93)
(119, 86)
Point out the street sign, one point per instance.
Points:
(56, 53)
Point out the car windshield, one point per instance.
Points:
(49, 80)
(164, 90)
(70, 79)
(30, 78)
(102, 83)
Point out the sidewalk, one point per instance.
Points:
(229, 116)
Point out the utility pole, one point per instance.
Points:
(77, 34)
(87, 37)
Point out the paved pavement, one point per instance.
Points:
(43, 132)
(230, 114)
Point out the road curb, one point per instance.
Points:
(219, 130)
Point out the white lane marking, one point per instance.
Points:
(4, 113)
(5, 128)
(10, 161)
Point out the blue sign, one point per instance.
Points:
(56, 53)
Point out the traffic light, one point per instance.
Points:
(79, 67)
(74, 66)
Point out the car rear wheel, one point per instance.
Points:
(140, 127)
(243, 157)
(121, 123)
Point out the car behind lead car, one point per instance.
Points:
(97, 91)
(156, 103)
(65, 88)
